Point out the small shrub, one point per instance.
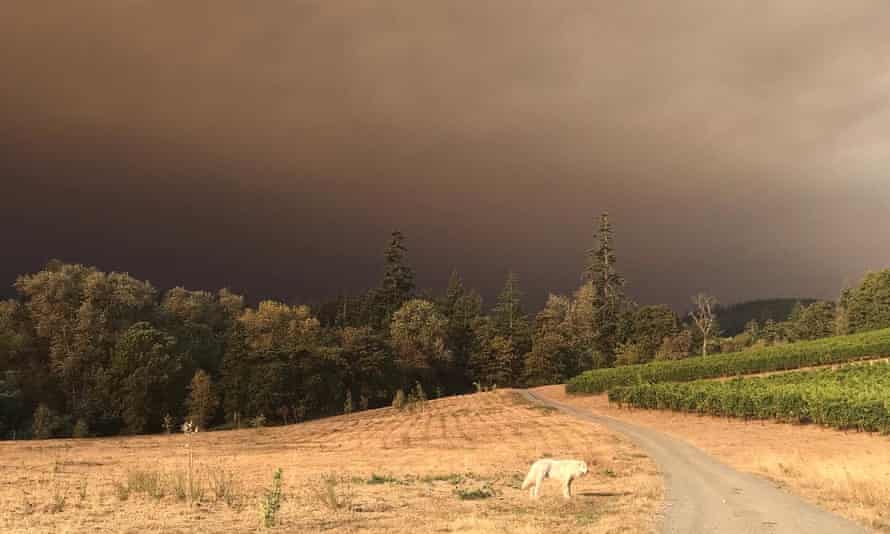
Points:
(179, 486)
(398, 401)
(59, 498)
(168, 424)
(417, 397)
(258, 421)
(81, 429)
(184, 491)
(146, 482)
(271, 502)
(330, 497)
(484, 492)
(225, 488)
(347, 404)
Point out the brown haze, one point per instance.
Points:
(741, 147)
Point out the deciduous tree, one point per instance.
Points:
(705, 319)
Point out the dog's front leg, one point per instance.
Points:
(567, 488)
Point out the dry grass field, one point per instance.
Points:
(845, 472)
(455, 466)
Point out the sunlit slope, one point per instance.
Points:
(451, 465)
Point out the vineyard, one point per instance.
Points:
(833, 350)
(853, 397)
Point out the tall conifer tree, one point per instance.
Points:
(397, 286)
(608, 285)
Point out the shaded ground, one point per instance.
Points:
(703, 495)
(377, 471)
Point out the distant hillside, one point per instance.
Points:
(734, 318)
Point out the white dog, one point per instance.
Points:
(563, 470)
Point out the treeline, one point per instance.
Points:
(84, 352)
(735, 317)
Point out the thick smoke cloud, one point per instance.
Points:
(741, 147)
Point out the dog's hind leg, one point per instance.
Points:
(539, 479)
(567, 488)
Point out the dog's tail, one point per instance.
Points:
(529, 478)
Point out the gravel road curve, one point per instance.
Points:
(703, 495)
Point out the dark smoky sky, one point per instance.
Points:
(742, 148)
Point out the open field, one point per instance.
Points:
(847, 473)
(456, 466)
(867, 345)
(851, 397)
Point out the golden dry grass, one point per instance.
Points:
(845, 472)
(422, 460)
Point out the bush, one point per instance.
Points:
(331, 497)
(258, 421)
(777, 358)
(347, 404)
(168, 424)
(398, 401)
(417, 397)
(46, 424)
(226, 488)
(81, 429)
(629, 354)
(484, 492)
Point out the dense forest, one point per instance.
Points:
(84, 352)
(733, 319)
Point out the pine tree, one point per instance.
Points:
(508, 317)
(461, 308)
(608, 287)
(397, 286)
(600, 268)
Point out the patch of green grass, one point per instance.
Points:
(381, 479)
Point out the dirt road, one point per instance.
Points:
(703, 495)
